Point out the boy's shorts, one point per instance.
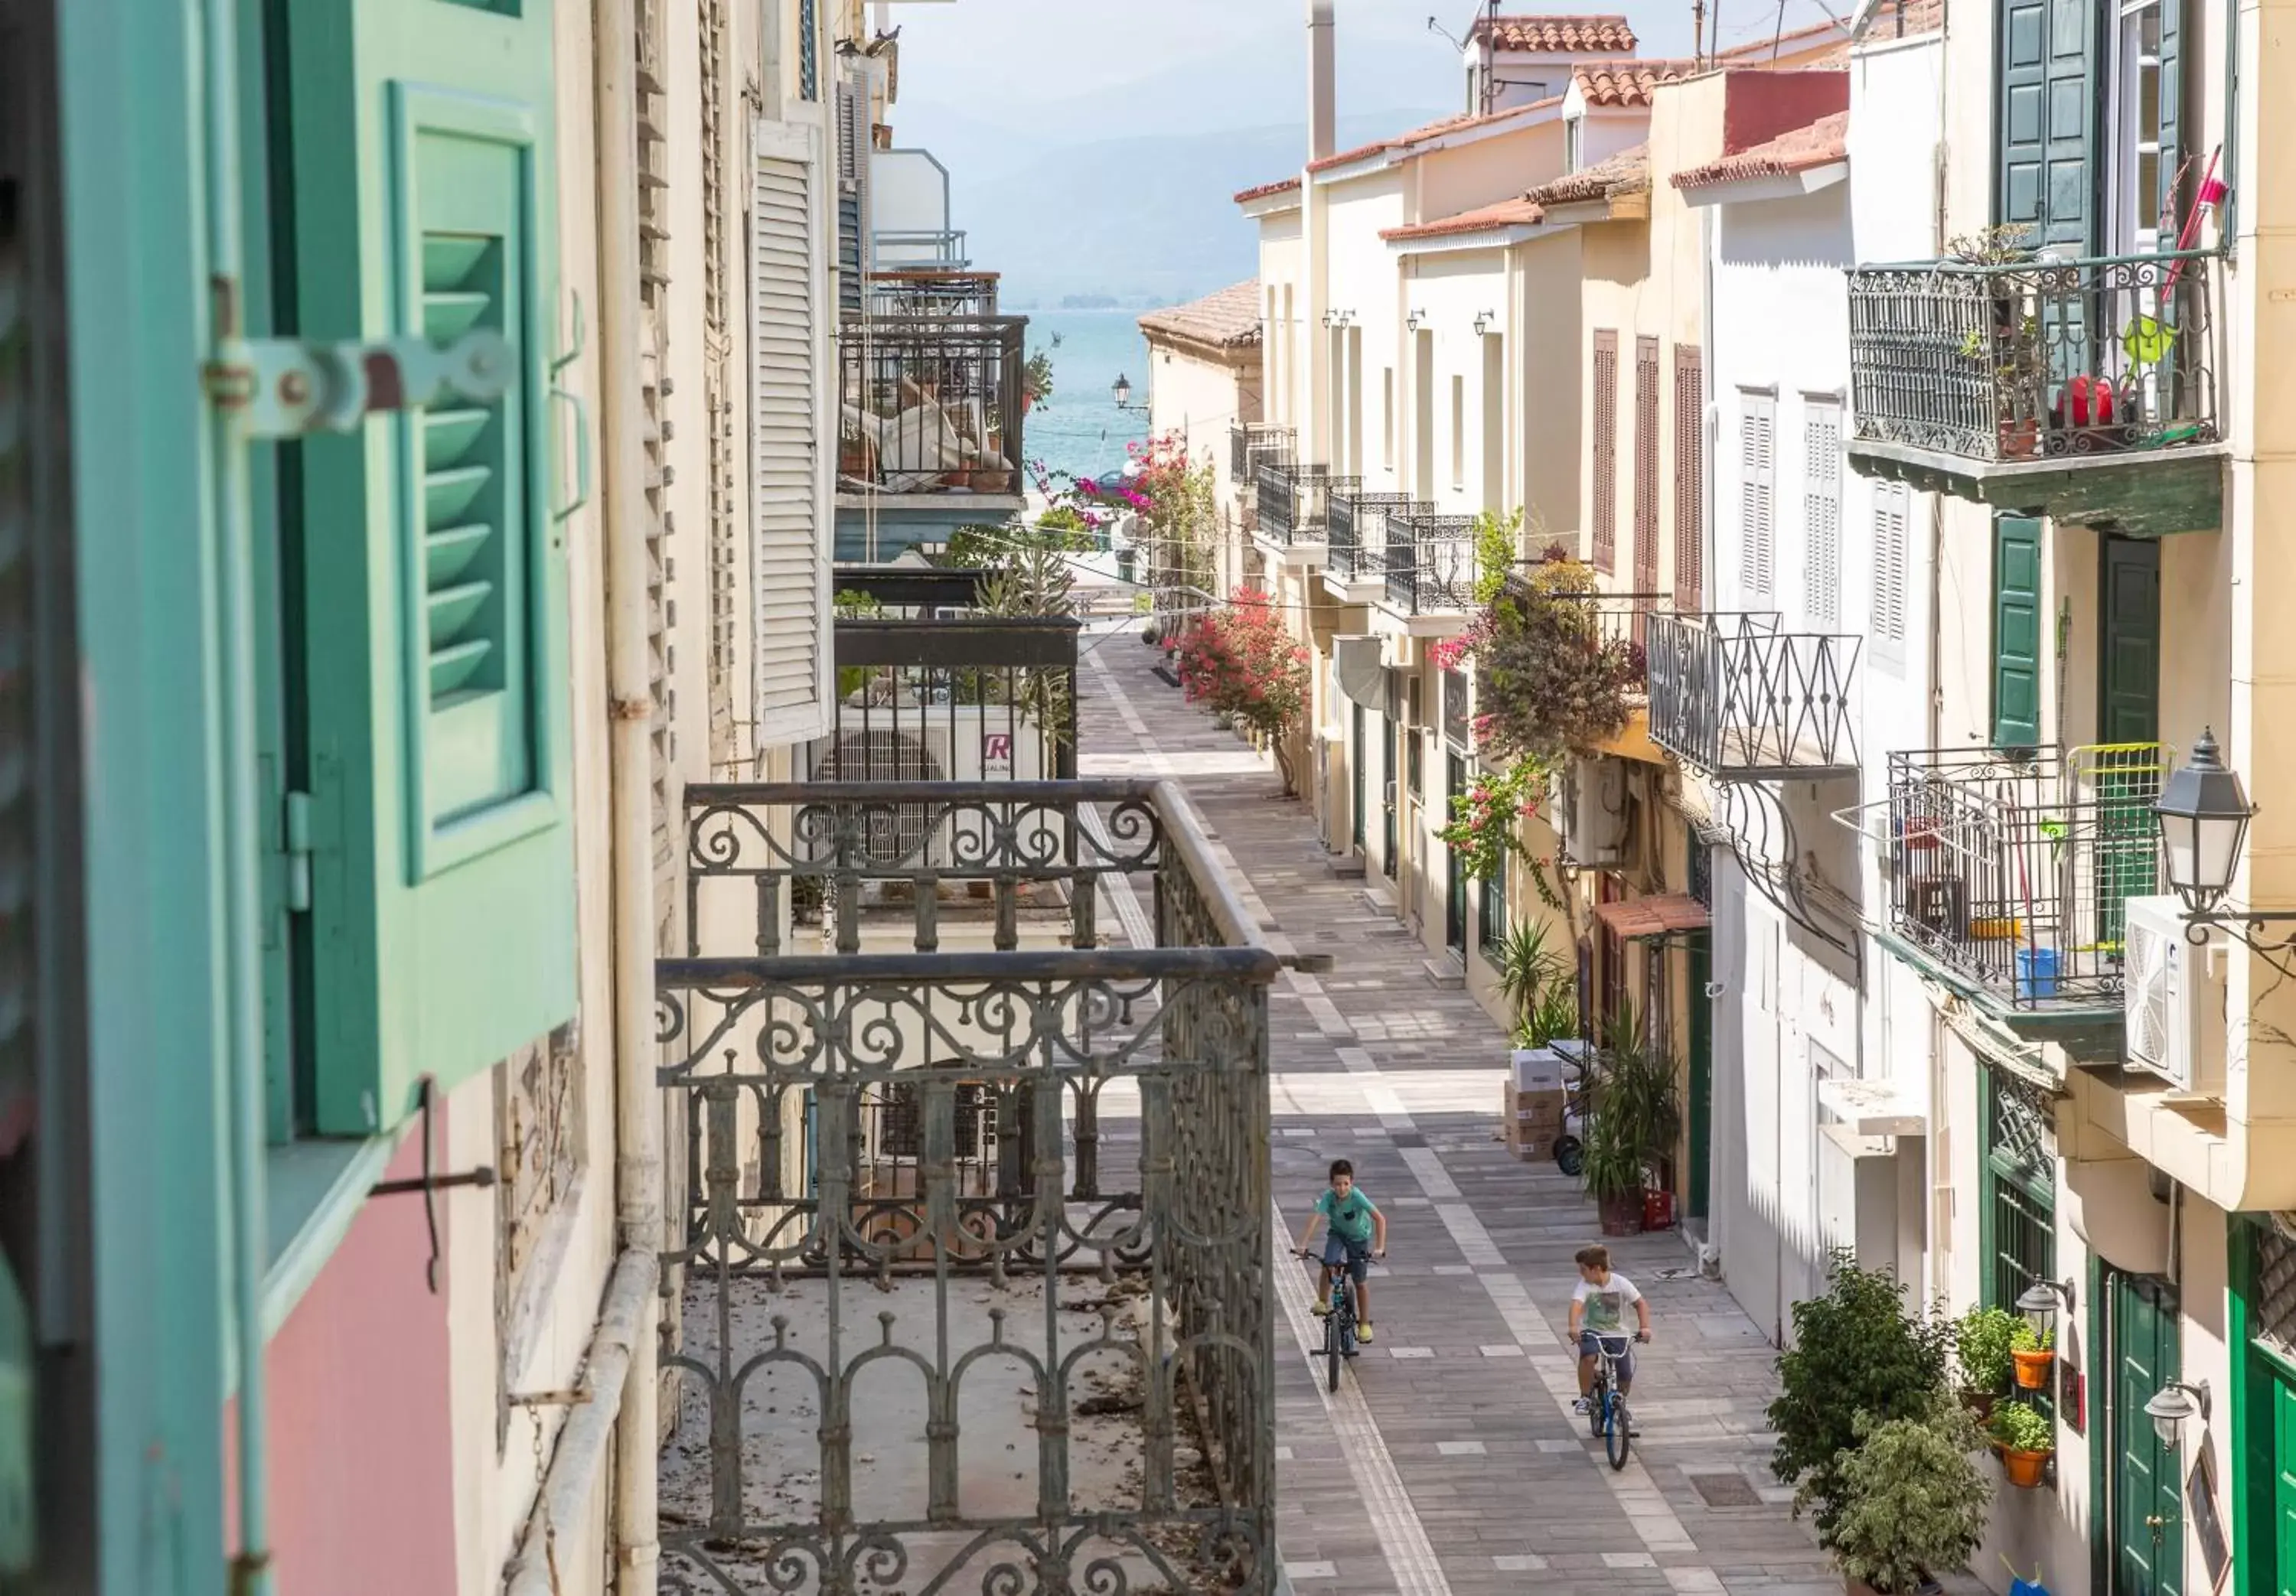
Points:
(1589, 1346)
(1355, 1253)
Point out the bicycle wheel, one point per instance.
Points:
(1334, 1339)
(1617, 1432)
(1597, 1409)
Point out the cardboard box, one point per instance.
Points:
(1533, 1107)
(1536, 1069)
(1538, 1148)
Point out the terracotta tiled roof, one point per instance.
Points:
(1625, 173)
(1558, 36)
(1248, 195)
(1798, 150)
(1228, 319)
(1819, 45)
(1627, 82)
(1658, 916)
(1507, 213)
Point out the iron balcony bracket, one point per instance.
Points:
(429, 1183)
(287, 388)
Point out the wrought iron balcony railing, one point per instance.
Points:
(933, 292)
(1000, 1139)
(1319, 490)
(2011, 870)
(1275, 497)
(931, 404)
(1430, 564)
(1355, 533)
(1250, 442)
(929, 688)
(2083, 359)
(1737, 697)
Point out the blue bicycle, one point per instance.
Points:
(1606, 1411)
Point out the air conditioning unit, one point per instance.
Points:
(940, 742)
(2175, 999)
(1591, 808)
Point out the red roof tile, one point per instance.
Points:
(1247, 196)
(1627, 82)
(1658, 916)
(1518, 212)
(1625, 173)
(1558, 35)
(1798, 150)
(1228, 319)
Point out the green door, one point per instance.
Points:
(1454, 888)
(1702, 1078)
(2284, 1485)
(1388, 861)
(1356, 783)
(2130, 771)
(2144, 1508)
(2016, 631)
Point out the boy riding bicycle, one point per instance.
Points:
(1598, 1308)
(1358, 1233)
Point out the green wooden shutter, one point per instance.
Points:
(435, 582)
(2168, 203)
(2016, 631)
(2047, 134)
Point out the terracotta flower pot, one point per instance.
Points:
(1622, 1214)
(2019, 439)
(2024, 1469)
(2033, 1367)
(1980, 1402)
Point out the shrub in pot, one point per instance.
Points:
(1612, 1168)
(2033, 1352)
(1982, 1338)
(1857, 1353)
(1914, 1503)
(2026, 1438)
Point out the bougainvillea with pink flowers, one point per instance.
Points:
(1241, 661)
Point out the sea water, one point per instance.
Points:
(1081, 429)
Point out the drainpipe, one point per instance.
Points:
(235, 530)
(629, 688)
(1314, 440)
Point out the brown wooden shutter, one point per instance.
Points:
(1606, 449)
(1689, 480)
(1645, 470)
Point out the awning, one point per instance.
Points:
(1361, 672)
(1659, 916)
(1874, 1108)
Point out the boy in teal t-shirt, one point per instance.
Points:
(1358, 1235)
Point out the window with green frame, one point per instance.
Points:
(2017, 1199)
(1492, 928)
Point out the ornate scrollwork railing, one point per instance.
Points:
(2035, 358)
(1043, 1159)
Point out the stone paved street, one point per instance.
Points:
(1449, 1461)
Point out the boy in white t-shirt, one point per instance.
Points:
(1598, 1307)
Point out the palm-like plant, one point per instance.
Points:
(1538, 984)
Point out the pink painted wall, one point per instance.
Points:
(361, 1441)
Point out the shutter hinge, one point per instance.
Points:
(285, 387)
(295, 824)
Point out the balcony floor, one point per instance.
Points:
(2141, 493)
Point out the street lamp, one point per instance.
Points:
(2173, 1404)
(2038, 1301)
(2203, 817)
(1121, 389)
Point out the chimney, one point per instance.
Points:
(1322, 137)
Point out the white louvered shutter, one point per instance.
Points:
(792, 399)
(1757, 494)
(1821, 513)
(1892, 559)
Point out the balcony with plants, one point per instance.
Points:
(2080, 388)
(2005, 875)
(1739, 698)
(932, 408)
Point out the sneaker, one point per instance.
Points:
(1585, 1404)
(1363, 1332)
(1322, 1309)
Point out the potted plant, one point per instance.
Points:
(2025, 1438)
(1915, 1504)
(1981, 1342)
(1612, 1168)
(2032, 1352)
(1037, 378)
(1856, 1352)
(1533, 975)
